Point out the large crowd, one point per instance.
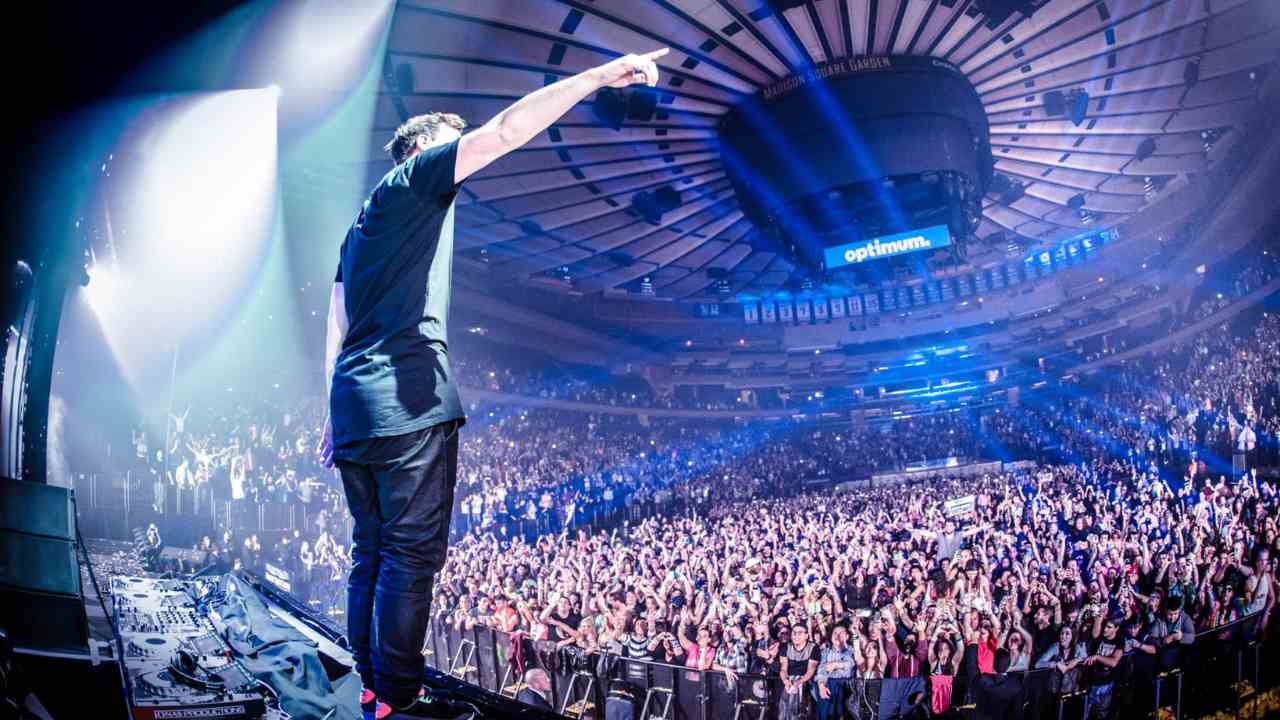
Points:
(1143, 524)
(1139, 530)
(1060, 568)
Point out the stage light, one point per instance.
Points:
(1191, 73)
(100, 287)
(610, 107)
(652, 205)
(667, 198)
(323, 47)
(1055, 103)
(998, 11)
(21, 273)
(641, 104)
(1146, 149)
(1075, 202)
(192, 246)
(1079, 107)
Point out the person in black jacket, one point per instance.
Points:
(999, 695)
(537, 689)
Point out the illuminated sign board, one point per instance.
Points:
(930, 238)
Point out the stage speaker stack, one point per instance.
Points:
(40, 602)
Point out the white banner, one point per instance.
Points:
(802, 310)
(785, 311)
(820, 308)
(768, 313)
(837, 308)
(750, 313)
(956, 507)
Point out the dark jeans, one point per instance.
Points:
(400, 492)
(895, 696)
(833, 707)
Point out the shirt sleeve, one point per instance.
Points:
(430, 173)
(822, 671)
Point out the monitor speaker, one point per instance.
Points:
(40, 600)
(36, 508)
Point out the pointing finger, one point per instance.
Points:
(656, 54)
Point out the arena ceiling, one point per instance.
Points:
(557, 213)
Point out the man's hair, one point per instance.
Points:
(406, 137)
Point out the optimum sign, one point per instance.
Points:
(930, 238)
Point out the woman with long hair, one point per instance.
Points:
(870, 663)
(1064, 657)
(942, 672)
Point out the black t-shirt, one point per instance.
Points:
(573, 620)
(1100, 674)
(1042, 640)
(798, 659)
(392, 375)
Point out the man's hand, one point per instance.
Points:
(631, 70)
(324, 450)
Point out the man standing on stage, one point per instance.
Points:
(394, 412)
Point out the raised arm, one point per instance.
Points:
(681, 635)
(535, 112)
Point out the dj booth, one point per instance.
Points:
(229, 646)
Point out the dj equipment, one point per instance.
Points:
(175, 660)
(187, 556)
